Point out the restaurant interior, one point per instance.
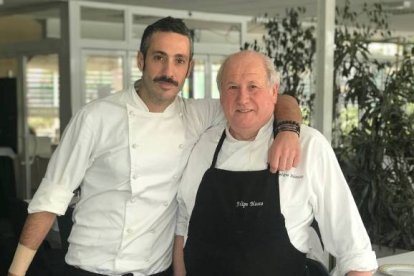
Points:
(57, 56)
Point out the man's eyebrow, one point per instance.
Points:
(160, 53)
(181, 56)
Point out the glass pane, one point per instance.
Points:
(199, 73)
(215, 63)
(135, 72)
(103, 76)
(140, 22)
(185, 92)
(31, 26)
(102, 24)
(43, 96)
(384, 49)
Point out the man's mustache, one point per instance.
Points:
(166, 79)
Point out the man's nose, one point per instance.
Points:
(168, 68)
(243, 96)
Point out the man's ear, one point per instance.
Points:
(140, 61)
(190, 68)
(275, 91)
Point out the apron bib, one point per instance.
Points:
(236, 227)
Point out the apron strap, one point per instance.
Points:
(274, 135)
(220, 143)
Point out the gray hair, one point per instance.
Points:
(272, 75)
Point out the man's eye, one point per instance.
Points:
(232, 88)
(156, 57)
(181, 61)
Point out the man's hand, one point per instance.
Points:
(284, 152)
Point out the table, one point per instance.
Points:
(404, 258)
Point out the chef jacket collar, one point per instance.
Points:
(264, 132)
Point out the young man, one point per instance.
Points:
(242, 220)
(126, 152)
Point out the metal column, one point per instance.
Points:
(324, 67)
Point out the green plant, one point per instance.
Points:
(374, 153)
(376, 148)
(352, 57)
(375, 157)
(292, 47)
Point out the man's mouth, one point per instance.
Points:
(166, 85)
(244, 110)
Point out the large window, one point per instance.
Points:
(203, 80)
(198, 80)
(215, 63)
(104, 75)
(135, 72)
(42, 97)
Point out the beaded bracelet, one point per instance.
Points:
(288, 126)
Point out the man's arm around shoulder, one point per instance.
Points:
(285, 150)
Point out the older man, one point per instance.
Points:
(242, 219)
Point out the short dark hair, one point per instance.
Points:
(166, 24)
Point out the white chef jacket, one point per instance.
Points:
(316, 188)
(127, 161)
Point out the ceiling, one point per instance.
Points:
(402, 18)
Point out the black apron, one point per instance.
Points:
(237, 228)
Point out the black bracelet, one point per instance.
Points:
(288, 126)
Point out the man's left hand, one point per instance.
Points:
(284, 152)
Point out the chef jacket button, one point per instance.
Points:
(129, 231)
(181, 146)
(165, 203)
(131, 113)
(152, 231)
(134, 199)
(135, 177)
(134, 146)
(175, 176)
(147, 260)
(181, 114)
